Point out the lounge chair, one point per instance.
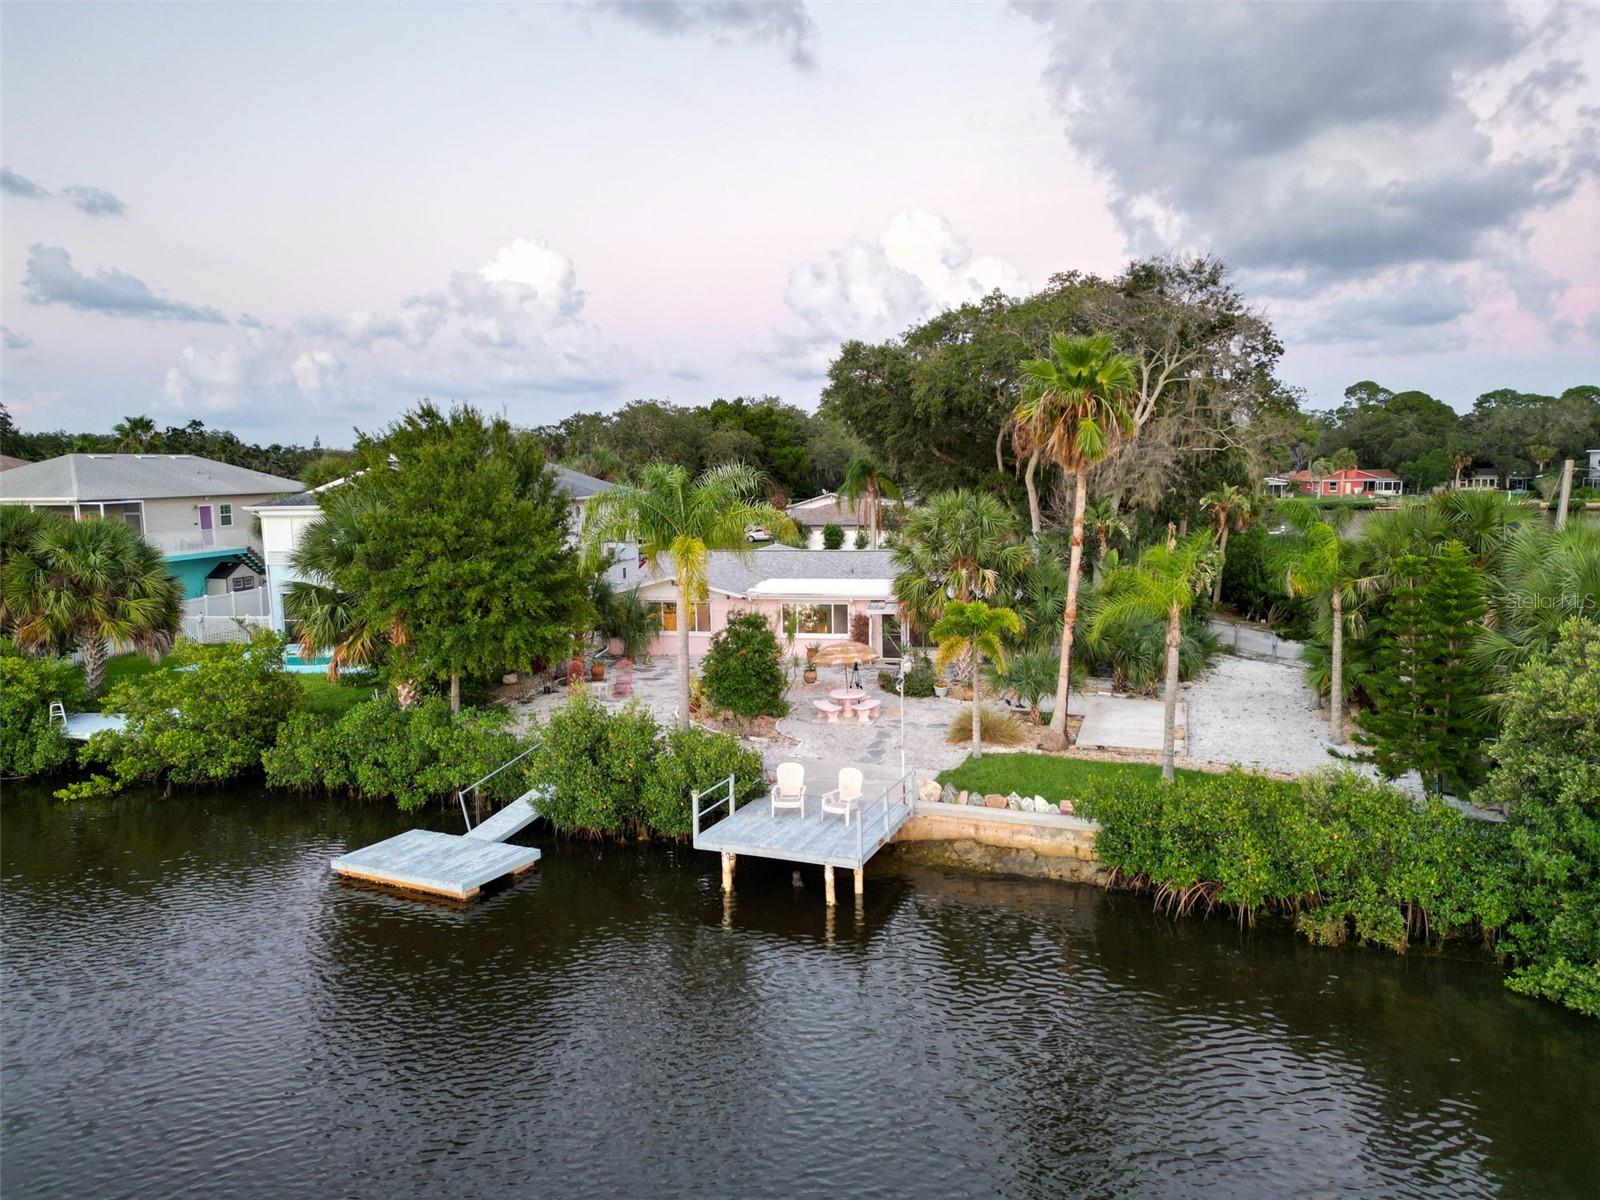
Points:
(845, 797)
(790, 790)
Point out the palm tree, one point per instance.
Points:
(83, 584)
(1317, 562)
(960, 545)
(1460, 459)
(1234, 509)
(867, 478)
(1102, 522)
(326, 616)
(1541, 453)
(670, 512)
(1162, 584)
(1075, 410)
(970, 628)
(134, 433)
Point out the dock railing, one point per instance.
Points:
(473, 786)
(897, 803)
(726, 787)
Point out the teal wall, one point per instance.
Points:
(191, 572)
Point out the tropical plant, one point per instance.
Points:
(960, 545)
(1316, 562)
(868, 479)
(624, 615)
(34, 743)
(1540, 578)
(1460, 460)
(207, 719)
(1029, 675)
(1132, 651)
(1105, 524)
(1541, 453)
(1344, 459)
(86, 584)
(994, 727)
(1163, 583)
(1075, 409)
(383, 750)
(324, 617)
(1546, 776)
(134, 433)
(973, 630)
(682, 519)
(743, 668)
(832, 536)
(1233, 508)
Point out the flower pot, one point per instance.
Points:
(941, 690)
(597, 671)
(810, 675)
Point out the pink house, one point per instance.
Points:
(820, 590)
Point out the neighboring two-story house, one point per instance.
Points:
(192, 509)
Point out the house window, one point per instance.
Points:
(244, 583)
(225, 515)
(816, 618)
(667, 610)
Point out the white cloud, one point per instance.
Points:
(916, 267)
(313, 370)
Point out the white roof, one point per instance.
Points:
(136, 477)
(843, 589)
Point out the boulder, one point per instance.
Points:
(928, 790)
(1014, 801)
(948, 796)
(994, 800)
(962, 796)
(1040, 804)
(1066, 808)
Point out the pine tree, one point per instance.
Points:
(1397, 720)
(1451, 750)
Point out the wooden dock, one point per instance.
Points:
(803, 837)
(458, 866)
(80, 727)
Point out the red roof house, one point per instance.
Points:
(1352, 482)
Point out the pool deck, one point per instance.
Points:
(457, 866)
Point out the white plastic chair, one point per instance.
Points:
(846, 796)
(790, 790)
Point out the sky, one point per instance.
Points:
(294, 219)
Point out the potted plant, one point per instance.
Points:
(597, 670)
(941, 686)
(810, 675)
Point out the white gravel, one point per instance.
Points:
(1258, 713)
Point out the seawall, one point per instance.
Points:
(1041, 845)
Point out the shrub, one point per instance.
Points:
(379, 750)
(832, 537)
(995, 728)
(692, 759)
(1547, 775)
(860, 628)
(1346, 856)
(862, 540)
(205, 720)
(920, 678)
(1031, 676)
(594, 765)
(32, 743)
(1133, 651)
(743, 669)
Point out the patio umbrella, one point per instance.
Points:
(845, 654)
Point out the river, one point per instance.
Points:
(192, 1005)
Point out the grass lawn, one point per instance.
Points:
(1043, 774)
(125, 667)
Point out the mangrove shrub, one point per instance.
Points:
(743, 670)
(33, 744)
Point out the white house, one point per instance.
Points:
(285, 520)
(194, 510)
(816, 514)
(1592, 478)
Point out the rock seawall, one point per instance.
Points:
(1039, 845)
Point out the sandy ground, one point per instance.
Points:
(1257, 713)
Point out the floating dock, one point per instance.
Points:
(80, 727)
(457, 866)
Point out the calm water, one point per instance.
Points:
(192, 1006)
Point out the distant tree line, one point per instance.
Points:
(139, 435)
(797, 453)
(1426, 442)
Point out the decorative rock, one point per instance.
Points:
(509, 677)
(1066, 808)
(1014, 800)
(1040, 804)
(994, 800)
(962, 796)
(928, 790)
(948, 796)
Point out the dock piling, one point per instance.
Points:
(728, 859)
(827, 884)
